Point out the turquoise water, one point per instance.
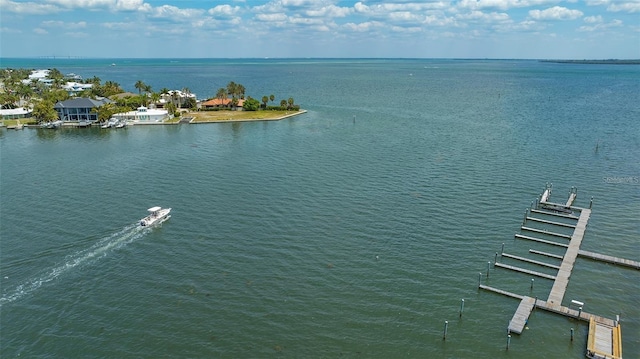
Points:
(353, 230)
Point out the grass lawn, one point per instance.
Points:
(221, 116)
(24, 121)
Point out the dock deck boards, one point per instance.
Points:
(610, 259)
(548, 213)
(551, 255)
(542, 231)
(540, 240)
(523, 259)
(526, 271)
(562, 278)
(604, 341)
(560, 224)
(521, 316)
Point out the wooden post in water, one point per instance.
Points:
(531, 283)
(508, 341)
(446, 325)
(495, 260)
(502, 251)
(488, 267)
(461, 307)
(591, 203)
(571, 334)
(479, 278)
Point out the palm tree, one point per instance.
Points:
(283, 103)
(221, 94)
(232, 89)
(240, 90)
(155, 97)
(290, 102)
(140, 86)
(272, 97)
(186, 93)
(265, 99)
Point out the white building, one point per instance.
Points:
(143, 115)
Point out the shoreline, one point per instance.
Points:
(166, 123)
(193, 122)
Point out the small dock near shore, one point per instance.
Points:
(605, 340)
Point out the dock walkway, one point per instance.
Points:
(562, 279)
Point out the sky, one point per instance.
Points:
(514, 29)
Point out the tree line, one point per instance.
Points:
(41, 97)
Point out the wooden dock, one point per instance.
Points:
(604, 340)
(562, 279)
(543, 231)
(550, 255)
(560, 224)
(526, 271)
(540, 240)
(532, 261)
(561, 215)
(521, 316)
(610, 259)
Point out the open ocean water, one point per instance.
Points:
(353, 230)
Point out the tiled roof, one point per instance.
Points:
(81, 103)
(223, 102)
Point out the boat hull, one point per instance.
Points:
(156, 217)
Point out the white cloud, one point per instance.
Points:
(271, 17)
(27, 8)
(503, 4)
(627, 6)
(555, 13)
(331, 11)
(630, 6)
(40, 31)
(482, 16)
(601, 26)
(363, 27)
(224, 10)
(64, 25)
(593, 19)
(114, 5)
(9, 30)
(175, 13)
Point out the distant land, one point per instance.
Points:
(597, 62)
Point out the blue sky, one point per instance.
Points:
(559, 29)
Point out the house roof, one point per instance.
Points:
(223, 102)
(81, 103)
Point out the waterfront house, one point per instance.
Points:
(15, 113)
(73, 88)
(143, 115)
(221, 103)
(79, 109)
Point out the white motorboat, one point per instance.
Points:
(156, 215)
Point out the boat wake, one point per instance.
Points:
(97, 251)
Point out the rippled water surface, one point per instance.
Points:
(353, 230)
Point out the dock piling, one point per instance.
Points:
(495, 260)
(508, 341)
(446, 325)
(531, 283)
(502, 250)
(571, 334)
(488, 267)
(479, 278)
(461, 307)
